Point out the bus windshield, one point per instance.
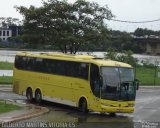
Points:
(118, 83)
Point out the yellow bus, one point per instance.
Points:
(82, 81)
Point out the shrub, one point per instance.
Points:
(125, 57)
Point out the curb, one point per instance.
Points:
(5, 85)
(37, 112)
(6, 90)
(150, 87)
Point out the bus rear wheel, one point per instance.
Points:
(38, 96)
(29, 94)
(83, 106)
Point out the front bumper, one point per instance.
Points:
(110, 109)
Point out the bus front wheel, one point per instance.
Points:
(83, 105)
(29, 94)
(38, 96)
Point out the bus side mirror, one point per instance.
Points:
(137, 84)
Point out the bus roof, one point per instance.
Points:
(78, 58)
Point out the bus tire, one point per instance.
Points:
(29, 94)
(38, 96)
(83, 105)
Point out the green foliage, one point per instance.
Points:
(111, 54)
(145, 32)
(125, 57)
(65, 25)
(128, 58)
(122, 41)
(145, 73)
(15, 39)
(7, 21)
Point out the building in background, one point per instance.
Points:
(11, 31)
(150, 45)
(16, 30)
(5, 33)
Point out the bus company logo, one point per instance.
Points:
(44, 78)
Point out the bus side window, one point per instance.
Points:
(30, 64)
(60, 67)
(50, 66)
(18, 62)
(70, 69)
(24, 63)
(83, 70)
(38, 63)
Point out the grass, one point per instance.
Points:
(147, 76)
(6, 107)
(6, 79)
(6, 66)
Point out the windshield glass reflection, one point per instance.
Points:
(118, 83)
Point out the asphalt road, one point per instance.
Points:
(146, 115)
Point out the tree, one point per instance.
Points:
(66, 25)
(125, 56)
(121, 41)
(144, 32)
(15, 39)
(8, 21)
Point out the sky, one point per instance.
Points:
(128, 10)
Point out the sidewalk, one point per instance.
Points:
(28, 111)
(5, 88)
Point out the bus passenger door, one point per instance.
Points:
(95, 84)
(95, 80)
